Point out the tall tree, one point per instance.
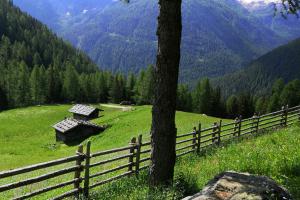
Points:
(163, 129)
(23, 86)
(71, 83)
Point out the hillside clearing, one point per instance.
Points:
(28, 138)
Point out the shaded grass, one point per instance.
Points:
(276, 155)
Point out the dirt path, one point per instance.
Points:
(124, 108)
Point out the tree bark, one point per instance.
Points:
(163, 129)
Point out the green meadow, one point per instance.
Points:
(275, 154)
(27, 136)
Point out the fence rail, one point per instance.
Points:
(95, 169)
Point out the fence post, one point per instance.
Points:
(194, 138)
(78, 172)
(199, 138)
(214, 131)
(286, 114)
(257, 122)
(131, 151)
(236, 126)
(253, 124)
(240, 126)
(138, 154)
(87, 170)
(219, 132)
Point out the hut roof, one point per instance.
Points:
(70, 123)
(82, 109)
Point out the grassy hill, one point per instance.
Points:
(27, 136)
(275, 154)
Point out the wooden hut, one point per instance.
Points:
(73, 131)
(84, 112)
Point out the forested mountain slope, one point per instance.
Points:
(283, 62)
(219, 36)
(31, 55)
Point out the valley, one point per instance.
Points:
(219, 37)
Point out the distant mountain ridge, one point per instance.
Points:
(219, 36)
(257, 78)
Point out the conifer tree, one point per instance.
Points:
(71, 83)
(23, 86)
(184, 98)
(130, 87)
(232, 106)
(290, 95)
(35, 86)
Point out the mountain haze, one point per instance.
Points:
(218, 36)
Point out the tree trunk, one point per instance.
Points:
(163, 130)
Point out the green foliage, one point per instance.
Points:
(232, 106)
(145, 86)
(184, 98)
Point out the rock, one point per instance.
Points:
(241, 186)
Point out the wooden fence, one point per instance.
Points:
(91, 170)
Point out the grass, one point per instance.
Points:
(28, 138)
(276, 155)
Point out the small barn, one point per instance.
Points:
(74, 131)
(84, 112)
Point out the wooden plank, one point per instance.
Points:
(194, 138)
(111, 160)
(146, 151)
(31, 168)
(38, 179)
(204, 141)
(185, 147)
(87, 171)
(101, 153)
(273, 113)
(111, 179)
(199, 138)
(67, 194)
(146, 144)
(271, 122)
(144, 160)
(206, 135)
(184, 153)
(78, 171)
(228, 124)
(184, 135)
(111, 170)
(144, 167)
(131, 151)
(47, 189)
(184, 141)
(138, 154)
(228, 129)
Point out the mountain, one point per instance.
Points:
(219, 36)
(282, 62)
(33, 60)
